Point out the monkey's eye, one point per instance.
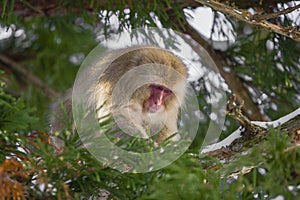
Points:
(167, 91)
(158, 87)
(161, 88)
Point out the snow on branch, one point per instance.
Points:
(250, 130)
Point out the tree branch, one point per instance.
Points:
(30, 77)
(218, 64)
(44, 8)
(252, 133)
(52, 8)
(247, 17)
(258, 17)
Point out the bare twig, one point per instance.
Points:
(34, 8)
(30, 77)
(235, 111)
(247, 17)
(258, 17)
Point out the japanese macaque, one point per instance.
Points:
(142, 88)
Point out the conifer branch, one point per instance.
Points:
(257, 20)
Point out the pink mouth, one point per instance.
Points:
(157, 98)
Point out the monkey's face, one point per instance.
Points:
(157, 98)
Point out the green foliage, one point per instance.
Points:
(15, 119)
(185, 179)
(7, 11)
(271, 63)
(54, 41)
(133, 14)
(14, 115)
(47, 49)
(273, 171)
(76, 173)
(73, 173)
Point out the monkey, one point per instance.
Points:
(154, 86)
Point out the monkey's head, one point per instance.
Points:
(144, 89)
(168, 90)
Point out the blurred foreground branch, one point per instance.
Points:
(29, 76)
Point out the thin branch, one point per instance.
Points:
(235, 111)
(34, 8)
(30, 77)
(247, 17)
(258, 17)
